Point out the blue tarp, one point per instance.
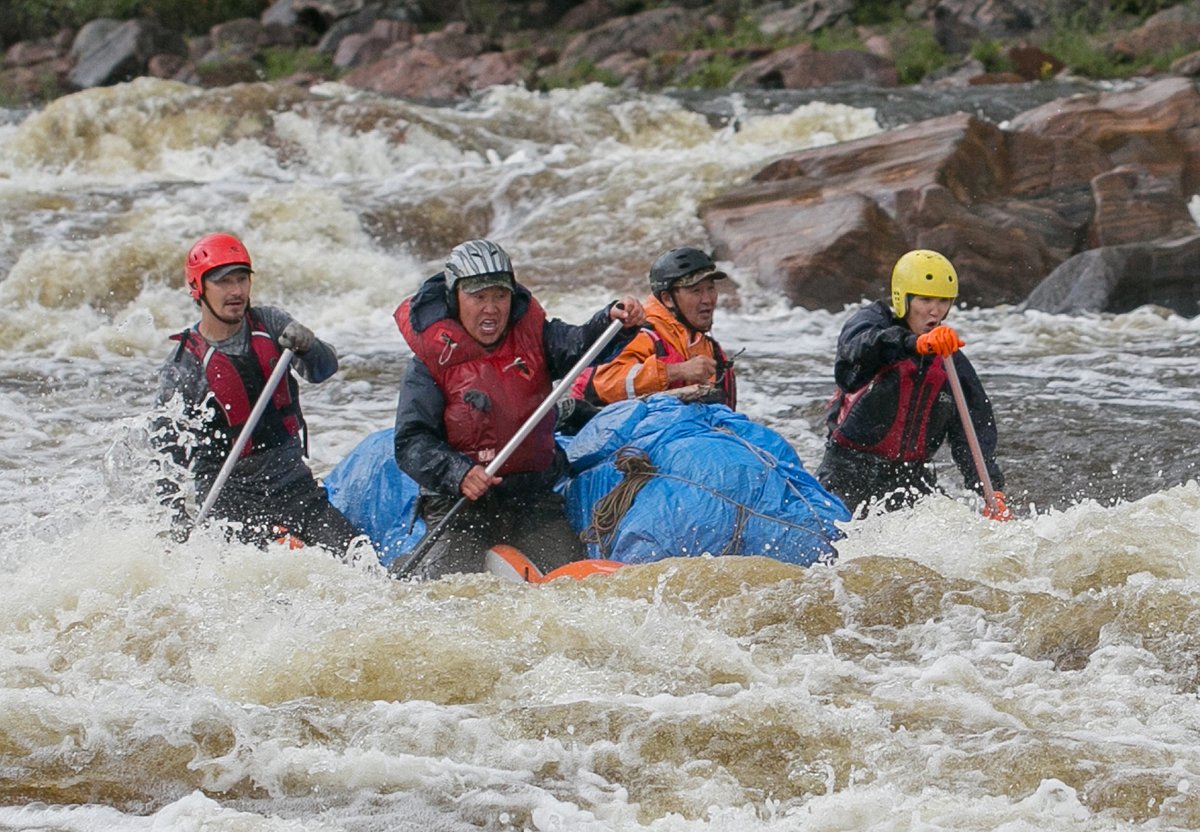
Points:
(375, 495)
(719, 484)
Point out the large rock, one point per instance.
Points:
(802, 66)
(1121, 278)
(657, 30)
(1134, 204)
(1156, 126)
(111, 51)
(423, 71)
(1007, 206)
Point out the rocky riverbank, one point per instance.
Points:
(403, 48)
(1085, 203)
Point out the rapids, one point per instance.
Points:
(947, 673)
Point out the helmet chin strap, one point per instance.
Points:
(674, 307)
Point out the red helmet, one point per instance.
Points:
(210, 252)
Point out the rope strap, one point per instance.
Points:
(636, 470)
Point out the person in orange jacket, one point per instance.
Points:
(894, 406)
(675, 349)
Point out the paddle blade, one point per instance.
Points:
(581, 569)
(508, 563)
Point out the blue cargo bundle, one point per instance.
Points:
(656, 477)
(651, 478)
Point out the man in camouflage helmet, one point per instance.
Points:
(484, 359)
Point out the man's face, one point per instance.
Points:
(695, 304)
(484, 314)
(229, 295)
(925, 313)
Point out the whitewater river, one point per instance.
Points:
(947, 673)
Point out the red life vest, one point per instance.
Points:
(916, 392)
(666, 353)
(236, 382)
(489, 394)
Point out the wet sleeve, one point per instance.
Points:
(566, 343)
(317, 364)
(170, 429)
(636, 371)
(421, 448)
(983, 420)
(869, 341)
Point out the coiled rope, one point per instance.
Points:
(637, 470)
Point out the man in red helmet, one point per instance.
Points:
(209, 384)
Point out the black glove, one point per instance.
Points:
(573, 414)
(297, 338)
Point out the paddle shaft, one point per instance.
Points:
(960, 401)
(235, 453)
(406, 568)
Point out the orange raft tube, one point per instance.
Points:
(509, 563)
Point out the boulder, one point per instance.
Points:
(280, 13)
(28, 53)
(802, 66)
(657, 30)
(1135, 204)
(359, 49)
(411, 72)
(808, 16)
(111, 51)
(1007, 206)
(1131, 126)
(1168, 30)
(1121, 278)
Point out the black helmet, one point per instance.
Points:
(482, 263)
(670, 269)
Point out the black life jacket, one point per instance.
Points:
(893, 416)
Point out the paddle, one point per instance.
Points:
(247, 429)
(405, 568)
(989, 494)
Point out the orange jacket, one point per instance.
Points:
(638, 370)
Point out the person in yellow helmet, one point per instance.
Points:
(894, 407)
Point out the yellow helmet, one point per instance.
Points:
(922, 272)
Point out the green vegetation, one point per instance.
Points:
(1078, 50)
(280, 62)
(29, 19)
(917, 53)
(46, 89)
(990, 53)
(580, 73)
(715, 73)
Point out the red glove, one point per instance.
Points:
(941, 340)
(1001, 512)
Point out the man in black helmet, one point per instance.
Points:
(484, 359)
(675, 349)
